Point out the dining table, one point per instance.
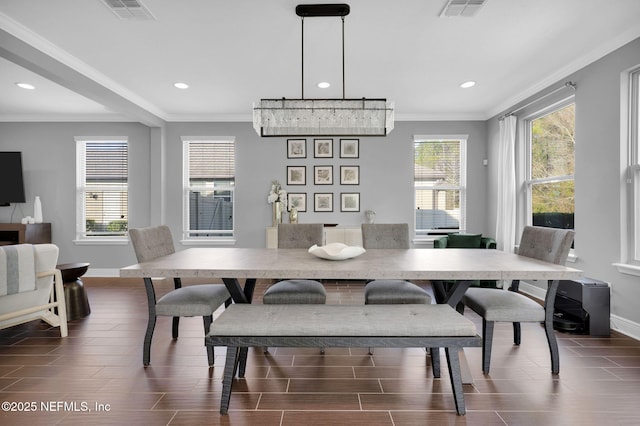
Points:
(240, 268)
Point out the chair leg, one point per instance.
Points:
(517, 333)
(146, 351)
(553, 347)
(208, 319)
(487, 339)
(435, 361)
(229, 372)
(174, 327)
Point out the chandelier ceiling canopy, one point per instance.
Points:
(323, 117)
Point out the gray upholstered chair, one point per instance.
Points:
(297, 235)
(394, 292)
(497, 305)
(290, 292)
(197, 300)
(378, 292)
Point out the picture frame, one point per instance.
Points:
(349, 148)
(350, 202)
(349, 175)
(297, 200)
(323, 202)
(323, 148)
(323, 175)
(296, 148)
(296, 175)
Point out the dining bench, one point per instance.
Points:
(393, 326)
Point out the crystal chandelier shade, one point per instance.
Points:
(323, 117)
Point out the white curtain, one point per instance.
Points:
(506, 217)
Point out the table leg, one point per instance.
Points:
(240, 295)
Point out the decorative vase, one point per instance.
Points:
(370, 215)
(37, 210)
(277, 213)
(293, 215)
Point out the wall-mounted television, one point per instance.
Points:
(11, 181)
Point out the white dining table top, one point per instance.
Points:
(410, 264)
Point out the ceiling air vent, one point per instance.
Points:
(129, 9)
(462, 7)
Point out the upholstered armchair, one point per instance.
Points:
(31, 286)
(465, 241)
(457, 240)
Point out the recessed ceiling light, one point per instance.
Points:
(26, 86)
(468, 84)
(181, 85)
(323, 84)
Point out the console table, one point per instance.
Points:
(18, 233)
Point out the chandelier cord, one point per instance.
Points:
(302, 58)
(343, 96)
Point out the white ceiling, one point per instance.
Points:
(87, 64)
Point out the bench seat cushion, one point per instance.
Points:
(342, 320)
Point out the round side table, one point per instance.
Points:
(74, 292)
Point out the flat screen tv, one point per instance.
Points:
(11, 181)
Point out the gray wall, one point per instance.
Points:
(598, 200)
(386, 178)
(48, 161)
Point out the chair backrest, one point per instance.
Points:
(151, 243)
(547, 244)
(385, 235)
(299, 235)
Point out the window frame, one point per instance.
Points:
(630, 172)
(432, 234)
(528, 180)
(190, 237)
(81, 235)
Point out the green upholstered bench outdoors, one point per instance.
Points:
(398, 326)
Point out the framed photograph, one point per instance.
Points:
(297, 200)
(323, 202)
(296, 175)
(323, 175)
(323, 148)
(296, 148)
(350, 202)
(349, 148)
(350, 175)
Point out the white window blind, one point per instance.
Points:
(102, 188)
(439, 182)
(209, 188)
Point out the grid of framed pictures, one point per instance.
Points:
(323, 174)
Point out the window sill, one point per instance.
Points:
(209, 242)
(102, 242)
(625, 268)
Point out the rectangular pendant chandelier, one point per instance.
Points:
(323, 117)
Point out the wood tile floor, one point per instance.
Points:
(95, 376)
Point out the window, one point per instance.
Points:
(102, 195)
(439, 182)
(550, 172)
(209, 182)
(631, 236)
